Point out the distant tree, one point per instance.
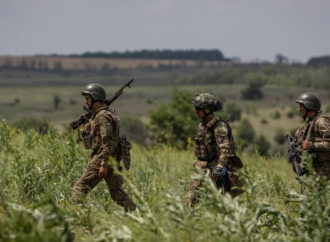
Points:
(22, 64)
(319, 61)
(264, 121)
(8, 63)
(17, 101)
(40, 64)
(134, 130)
(175, 122)
(245, 132)
(234, 111)
(57, 101)
(105, 67)
(281, 59)
(198, 55)
(72, 101)
(41, 126)
(290, 114)
(255, 82)
(263, 145)
(32, 63)
(276, 115)
(57, 65)
(280, 137)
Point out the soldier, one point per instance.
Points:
(102, 136)
(214, 148)
(314, 136)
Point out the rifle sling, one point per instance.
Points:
(310, 129)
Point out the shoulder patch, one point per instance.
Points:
(221, 130)
(108, 127)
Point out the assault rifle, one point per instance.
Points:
(75, 124)
(294, 158)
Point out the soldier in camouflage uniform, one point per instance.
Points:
(102, 136)
(314, 136)
(214, 147)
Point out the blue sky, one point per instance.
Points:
(248, 29)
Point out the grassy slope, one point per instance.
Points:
(34, 166)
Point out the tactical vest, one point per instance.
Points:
(318, 157)
(113, 128)
(206, 148)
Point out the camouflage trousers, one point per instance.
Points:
(321, 170)
(192, 196)
(90, 178)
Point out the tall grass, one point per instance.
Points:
(38, 173)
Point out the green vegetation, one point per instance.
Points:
(38, 173)
(174, 123)
(215, 55)
(39, 168)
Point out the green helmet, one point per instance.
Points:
(310, 101)
(96, 91)
(206, 100)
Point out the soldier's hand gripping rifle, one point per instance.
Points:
(294, 158)
(75, 124)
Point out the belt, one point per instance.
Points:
(208, 160)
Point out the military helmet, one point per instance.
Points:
(206, 100)
(310, 101)
(96, 91)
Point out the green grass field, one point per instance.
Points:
(38, 173)
(138, 101)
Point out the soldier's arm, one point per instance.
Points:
(107, 144)
(223, 145)
(323, 127)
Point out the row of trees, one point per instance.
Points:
(209, 55)
(31, 64)
(281, 75)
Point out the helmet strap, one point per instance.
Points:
(307, 111)
(91, 107)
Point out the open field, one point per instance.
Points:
(81, 63)
(38, 173)
(137, 102)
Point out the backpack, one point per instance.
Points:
(124, 146)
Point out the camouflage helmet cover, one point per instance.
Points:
(206, 100)
(310, 101)
(96, 91)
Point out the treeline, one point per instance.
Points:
(207, 55)
(283, 75)
(319, 61)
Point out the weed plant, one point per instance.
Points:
(38, 173)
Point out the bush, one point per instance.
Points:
(280, 137)
(245, 132)
(264, 121)
(41, 126)
(72, 101)
(234, 111)
(290, 114)
(134, 130)
(263, 145)
(276, 115)
(175, 122)
(252, 91)
(57, 101)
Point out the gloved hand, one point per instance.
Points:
(216, 172)
(219, 176)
